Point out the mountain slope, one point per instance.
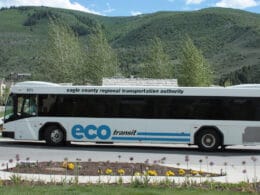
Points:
(229, 39)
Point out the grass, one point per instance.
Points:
(105, 189)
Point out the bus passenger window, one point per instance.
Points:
(30, 106)
(47, 105)
(26, 106)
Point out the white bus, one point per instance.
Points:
(210, 117)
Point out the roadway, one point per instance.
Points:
(114, 152)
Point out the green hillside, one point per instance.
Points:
(229, 39)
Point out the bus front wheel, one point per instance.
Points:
(208, 140)
(54, 136)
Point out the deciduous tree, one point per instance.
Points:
(100, 57)
(158, 64)
(63, 57)
(194, 70)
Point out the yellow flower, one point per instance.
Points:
(193, 172)
(70, 166)
(181, 172)
(108, 171)
(152, 173)
(169, 173)
(121, 171)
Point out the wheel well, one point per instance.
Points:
(213, 128)
(42, 129)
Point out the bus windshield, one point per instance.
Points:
(20, 106)
(9, 108)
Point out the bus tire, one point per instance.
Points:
(54, 136)
(208, 140)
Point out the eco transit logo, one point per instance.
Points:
(102, 132)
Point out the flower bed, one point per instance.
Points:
(105, 168)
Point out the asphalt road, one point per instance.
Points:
(176, 154)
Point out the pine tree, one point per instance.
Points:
(194, 70)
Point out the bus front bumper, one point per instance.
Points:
(8, 134)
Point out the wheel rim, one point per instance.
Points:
(56, 136)
(208, 140)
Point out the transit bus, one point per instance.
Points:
(209, 117)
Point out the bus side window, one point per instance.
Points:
(256, 109)
(26, 106)
(46, 104)
(30, 106)
(240, 109)
(132, 107)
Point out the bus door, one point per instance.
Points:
(26, 112)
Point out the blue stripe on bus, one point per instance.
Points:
(152, 139)
(163, 134)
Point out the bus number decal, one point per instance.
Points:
(91, 132)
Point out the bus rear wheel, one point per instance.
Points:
(208, 140)
(54, 136)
